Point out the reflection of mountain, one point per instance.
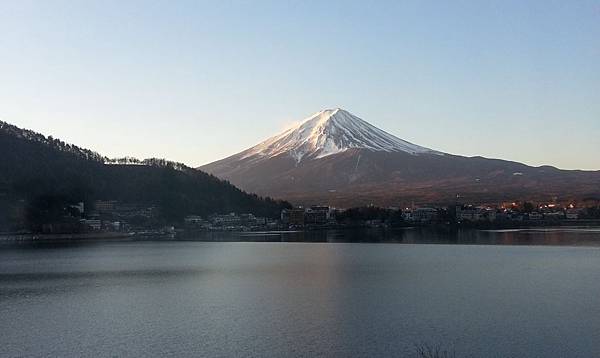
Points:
(337, 158)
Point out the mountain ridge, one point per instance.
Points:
(300, 166)
(35, 167)
(328, 132)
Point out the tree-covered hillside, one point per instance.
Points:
(35, 168)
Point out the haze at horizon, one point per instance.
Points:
(196, 82)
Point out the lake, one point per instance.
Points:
(532, 293)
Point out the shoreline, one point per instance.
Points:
(17, 237)
(185, 236)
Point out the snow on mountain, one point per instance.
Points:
(363, 165)
(328, 132)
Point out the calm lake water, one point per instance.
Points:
(470, 293)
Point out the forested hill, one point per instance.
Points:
(33, 166)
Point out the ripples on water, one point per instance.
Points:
(571, 236)
(273, 299)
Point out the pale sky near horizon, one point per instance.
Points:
(196, 81)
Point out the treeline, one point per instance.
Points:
(592, 213)
(370, 213)
(49, 142)
(589, 211)
(40, 177)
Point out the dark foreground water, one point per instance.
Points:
(236, 299)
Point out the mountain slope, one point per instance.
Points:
(336, 158)
(34, 166)
(330, 132)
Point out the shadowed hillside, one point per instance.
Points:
(53, 174)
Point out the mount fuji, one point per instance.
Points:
(334, 157)
(329, 132)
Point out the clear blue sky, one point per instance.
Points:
(196, 81)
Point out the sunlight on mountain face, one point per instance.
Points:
(332, 131)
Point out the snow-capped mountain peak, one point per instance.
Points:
(332, 131)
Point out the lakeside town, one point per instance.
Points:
(111, 218)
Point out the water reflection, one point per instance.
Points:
(222, 299)
(544, 236)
